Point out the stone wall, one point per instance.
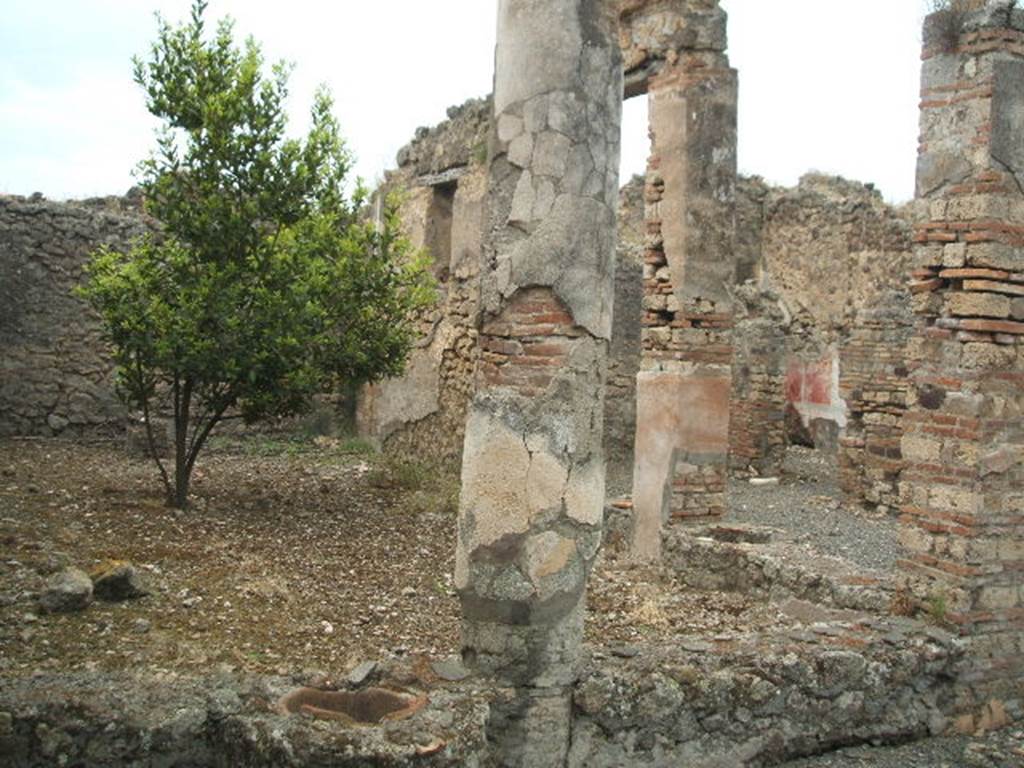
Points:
(809, 259)
(744, 700)
(55, 374)
(963, 484)
(831, 246)
(442, 181)
(790, 324)
(423, 412)
(757, 423)
(873, 383)
(756, 701)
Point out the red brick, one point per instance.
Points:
(993, 326)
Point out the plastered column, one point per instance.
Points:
(533, 471)
(683, 388)
(963, 437)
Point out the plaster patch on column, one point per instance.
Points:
(584, 496)
(545, 482)
(546, 554)
(551, 154)
(522, 201)
(520, 151)
(509, 127)
(495, 470)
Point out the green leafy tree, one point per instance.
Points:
(263, 285)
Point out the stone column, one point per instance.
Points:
(963, 443)
(533, 471)
(682, 435)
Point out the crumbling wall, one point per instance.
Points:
(963, 484)
(423, 412)
(55, 374)
(757, 429)
(829, 248)
(807, 260)
(873, 383)
(784, 354)
(442, 182)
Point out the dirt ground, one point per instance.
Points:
(295, 558)
(306, 559)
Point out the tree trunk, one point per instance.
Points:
(182, 465)
(182, 471)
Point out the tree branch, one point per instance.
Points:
(151, 442)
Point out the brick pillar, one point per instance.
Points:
(963, 482)
(757, 416)
(873, 383)
(533, 471)
(683, 387)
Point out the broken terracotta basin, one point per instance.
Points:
(366, 707)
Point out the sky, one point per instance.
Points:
(825, 85)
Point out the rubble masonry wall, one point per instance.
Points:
(56, 377)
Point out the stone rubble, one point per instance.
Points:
(67, 591)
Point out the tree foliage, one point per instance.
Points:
(263, 285)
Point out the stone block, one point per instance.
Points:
(971, 304)
(921, 449)
(1017, 309)
(998, 598)
(996, 256)
(954, 255)
(956, 500)
(978, 356)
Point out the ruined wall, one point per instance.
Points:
(784, 353)
(873, 383)
(55, 375)
(807, 260)
(963, 484)
(829, 248)
(443, 182)
(757, 429)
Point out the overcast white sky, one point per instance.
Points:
(830, 85)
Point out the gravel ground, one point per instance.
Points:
(1003, 749)
(295, 557)
(807, 508)
(314, 558)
